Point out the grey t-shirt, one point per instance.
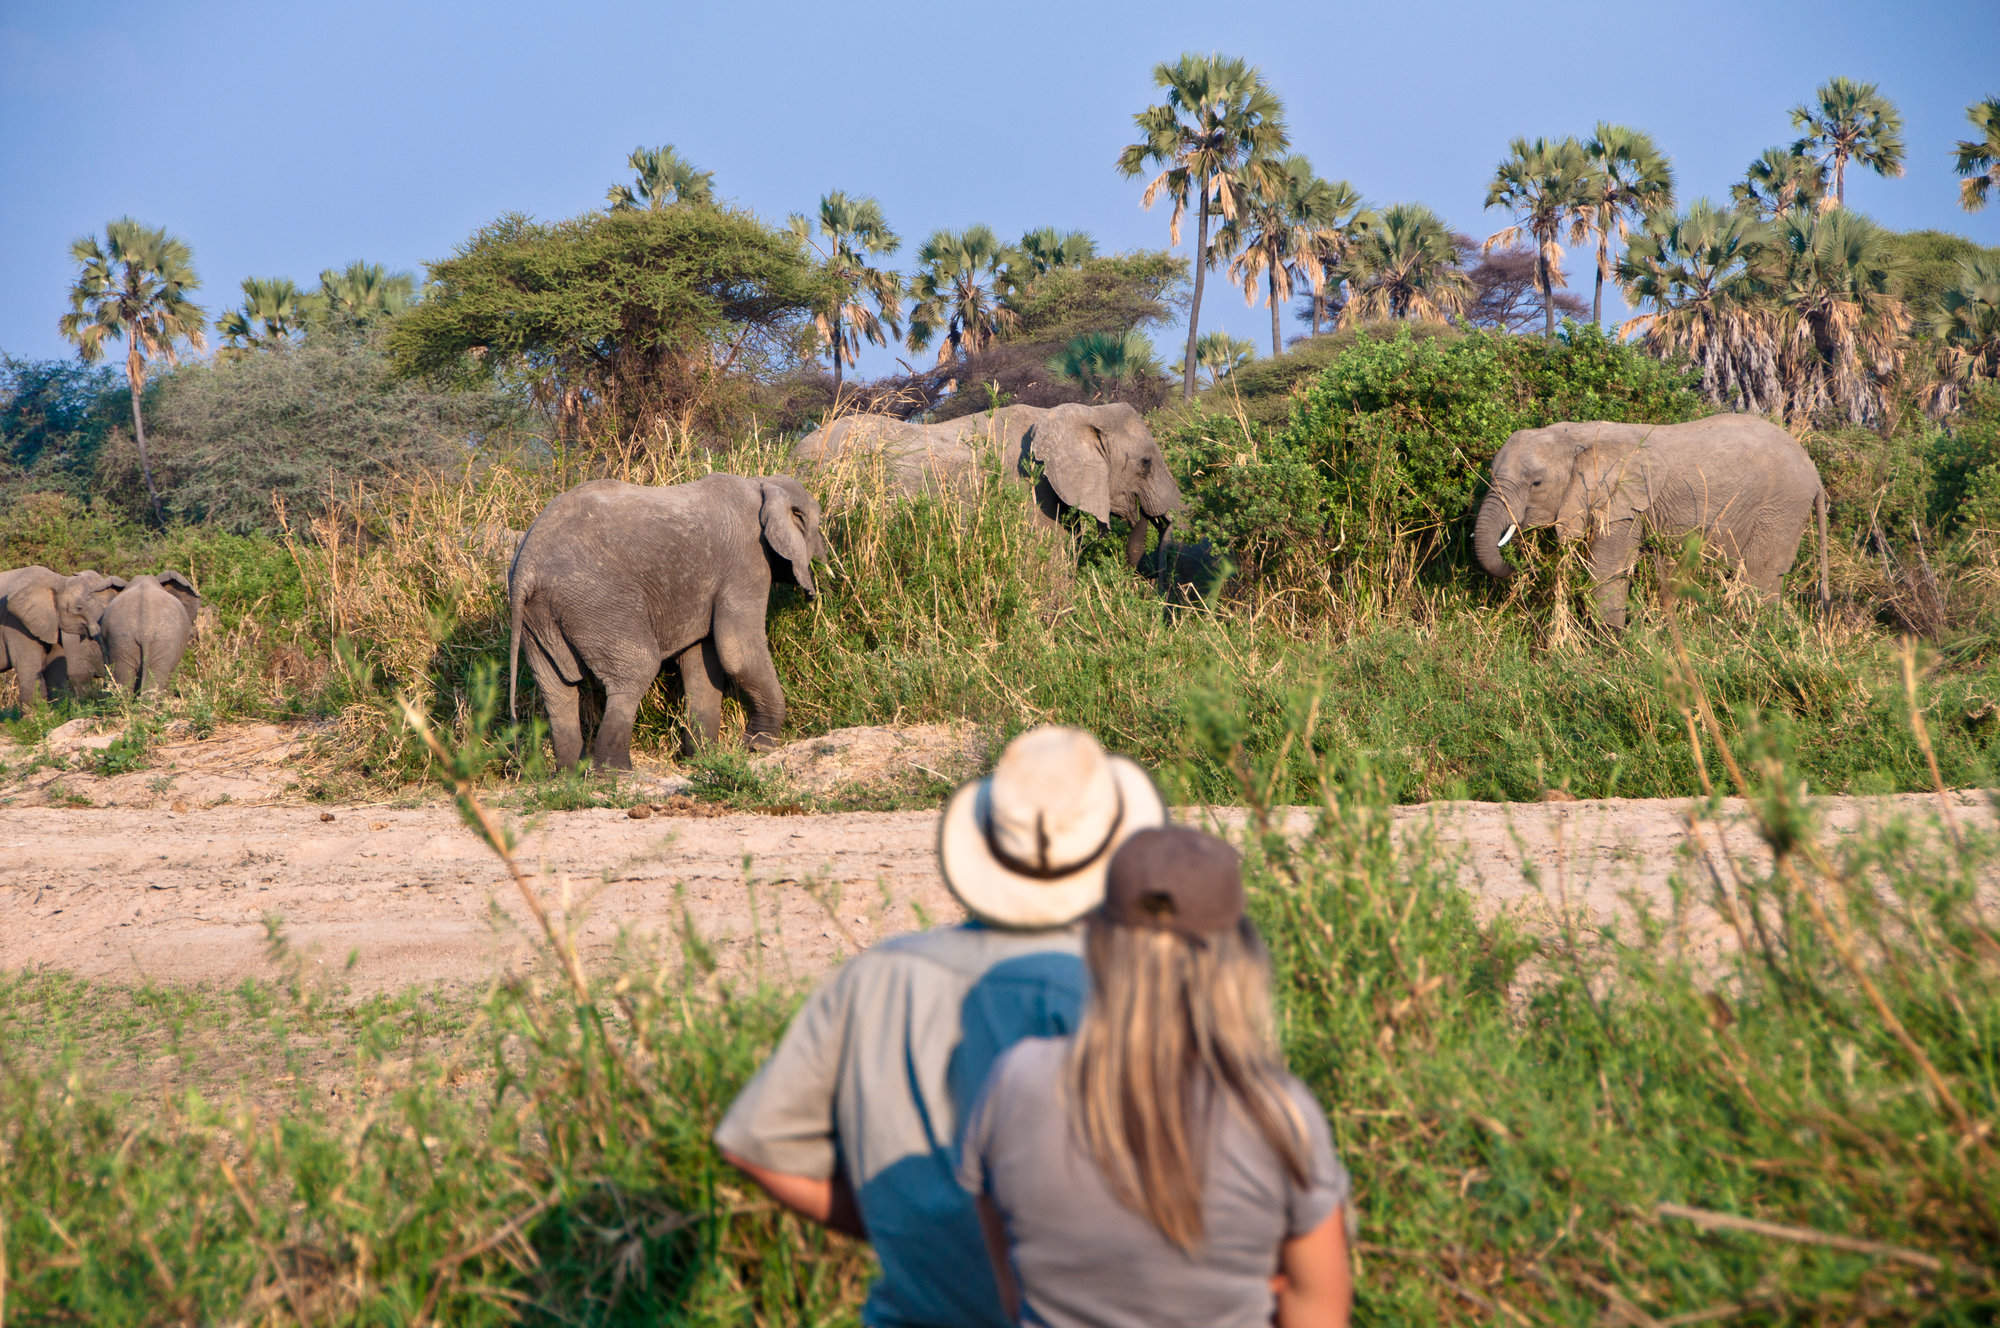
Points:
(1083, 1258)
(875, 1075)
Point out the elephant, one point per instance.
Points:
(43, 615)
(1740, 481)
(146, 628)
(1098, 460)
(614, 579)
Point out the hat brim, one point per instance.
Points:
(996, 894)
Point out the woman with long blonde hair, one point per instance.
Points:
(1160, 1165)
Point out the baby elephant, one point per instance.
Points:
(146, 629)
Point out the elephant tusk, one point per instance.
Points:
(1506, 535)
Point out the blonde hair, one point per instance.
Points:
(1177, 1028)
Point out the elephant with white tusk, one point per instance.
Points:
(1740, 481)
(1101, 461)
(45, 617)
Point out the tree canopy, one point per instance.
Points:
(632, 321)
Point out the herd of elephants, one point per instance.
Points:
(612, 581)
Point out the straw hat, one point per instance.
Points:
(1028, 846)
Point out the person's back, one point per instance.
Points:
(862, 1101)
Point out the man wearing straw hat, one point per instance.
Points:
(854, 1120)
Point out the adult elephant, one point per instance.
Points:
(1742, 482)
(145, 630)
(43, 614)
(1098, 460)
(613, 579)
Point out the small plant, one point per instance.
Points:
(129, 751)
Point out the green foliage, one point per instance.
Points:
(54, 416)
(238, 441)
(1382, 457)
(1116, 294)
(1098, 362)
(649, 317)
(1929, 263)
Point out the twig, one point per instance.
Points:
(1923, 735)
(1709, 1220)
(447, 1267)
(1621, 1309)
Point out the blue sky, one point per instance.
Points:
(279, 139)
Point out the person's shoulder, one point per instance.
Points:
(968, 947)
(1032, 1063)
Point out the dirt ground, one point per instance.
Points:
(168, 873)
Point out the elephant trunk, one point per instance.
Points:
(1494, 528)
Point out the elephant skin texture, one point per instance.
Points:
(1101, 461)
(612, 580)
(44, 617)
(1740, 481)
(146, 629)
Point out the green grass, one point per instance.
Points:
(1530, 1116)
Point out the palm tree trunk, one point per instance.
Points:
(135, 374)
(1194, 310)
(1603, 258)
(1319, 304)
(839, 353)
(1276, 347)
(1548, 299)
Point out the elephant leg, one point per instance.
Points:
(1612, 553)
(126, 668)
(28, 666)
(701, 680)
(745, 656)
(561, 699)
(612, 748)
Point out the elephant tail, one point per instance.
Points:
(1819, 511)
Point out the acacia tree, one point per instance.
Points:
(626, 323)
(664, 178)
(850, 231)
(1213, 137)
(1633, 179)
(1849, 121)
(134, 287)
(1553, 188)
(1780, 180)
(1405, 266)
(957, 289)
(1697, 270)
(1277, 234)
(1979, 156)
(269, 316)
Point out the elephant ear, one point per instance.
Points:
(1606, 484)
(34, 607)
(183, 590)
(787, 513)
(1071, 449)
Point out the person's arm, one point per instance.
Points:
(829, 1202)
(994, 1227)
(1315, 1282)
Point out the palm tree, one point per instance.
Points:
(1972, 308)
(1348, 217)
(270, 314)
(1839, 322)
(664, 179)
(1097, 361)
(1213, 137)
(957, 292)
(1044, 250)
(1634, 178)
(1222, 355)
(1405, 266)
(362, 294)
(1276, 234)
(1697, 269)
(1849, 121)
(1979, 158)
(134, 287)
(1781, 180)
(850, 230)
(1553, 188)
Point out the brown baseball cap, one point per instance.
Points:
(1175, 879)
